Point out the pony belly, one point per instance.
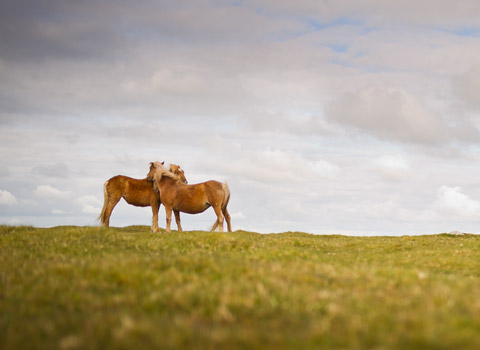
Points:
(192, 209)
(138, 202)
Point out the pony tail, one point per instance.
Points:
(226, 196)
(213, 227)
(101, 217)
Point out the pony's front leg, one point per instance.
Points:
(168, 214)
(155, 207)
(177, 219)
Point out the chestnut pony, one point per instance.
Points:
(138, 192)
(191, 199)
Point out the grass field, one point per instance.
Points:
(126, 288)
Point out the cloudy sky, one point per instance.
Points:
(356, 117)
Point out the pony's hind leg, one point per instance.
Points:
(219, 223)
(109, 210)
(227, 219)
(177, 219)
(111, 201)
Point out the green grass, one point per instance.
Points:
(126, 288)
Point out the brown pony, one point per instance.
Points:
(138, 192)
(191, 199)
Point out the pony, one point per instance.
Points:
(138, 192)
(191, 199)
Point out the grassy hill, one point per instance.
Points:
(126, 288)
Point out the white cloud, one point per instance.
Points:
(392, 166)
(452, 201)
(237, 215)
(89, 200)
(49, 192)
(90, 204)
(89, 209)
(58, 212)
(323, 169)
(270, 165)
(6, 198)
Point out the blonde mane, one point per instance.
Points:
(155, 188)
(161, 171)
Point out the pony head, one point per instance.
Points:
(157, 171)
(153, 169)
(179, 172)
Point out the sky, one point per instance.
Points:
(353, 117)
